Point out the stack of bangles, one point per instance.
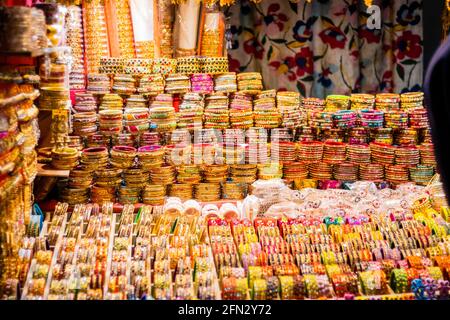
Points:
(110, 122)
(396, 119)
(418, 118)
(188, 174)
(111, 65)
(241, 114)
(188, 65)
(216, 114)
(427, 156)
(95, 157)
(345, 171)
(215, 173)
(383, 153)
(358, 153)
(163, 118)
(108, 177)
(371, 118)
(80, 178)
(177, 84)
(129, 195)
(422, 174)
(295, 170)
(124, 139)
(407, 137)
(103, 194)
(122, 156)
(150, 156)
(207, 191)
(362, 101)
(151, 85)
(135, 177)
(397, 174)
(138, 66)
(310, 151)
(136, 101)
(164, 66)
(313, 104)
(334, 152)
(337, 102)
(235, 191)
(387, 101)
(309, 135)
(149, 139)
(344, 119)
(183, 191)
(321, 119)
(202, 83)
(249, 82)
(214, 65)
(244, 173)
(163, 175)
(98, 140)
(124, 84)
(136, 120)
(270, 171)
(383, 136)
(85, 123)
(408, 156)
(153, 194)
(344, 283)
(225, 82)
(412, 100)
(64, 158)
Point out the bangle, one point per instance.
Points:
(273, 285)
(312, 287)
(286, 287)
(259, 289)
(399, 281)
(435, 273)
(373, 282)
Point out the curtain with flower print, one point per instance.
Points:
(326, 47)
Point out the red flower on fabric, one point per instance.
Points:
(408, 45)
(304, 61)
(387, 82)
(274, 17)
(355, 54)
(302, 31)
(371, 36)
(297, 66)
(334, 37)
(254, 47)
(233, 64)
(285, 67)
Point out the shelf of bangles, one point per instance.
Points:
(42, 266)
(168, 253)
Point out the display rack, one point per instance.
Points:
(55, 249)
(45, 170)
(112, 232)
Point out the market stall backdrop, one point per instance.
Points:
(325, 46)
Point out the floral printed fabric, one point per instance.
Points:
(325, 46)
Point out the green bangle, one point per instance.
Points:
(399, 281)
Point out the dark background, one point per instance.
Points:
(432, 27)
